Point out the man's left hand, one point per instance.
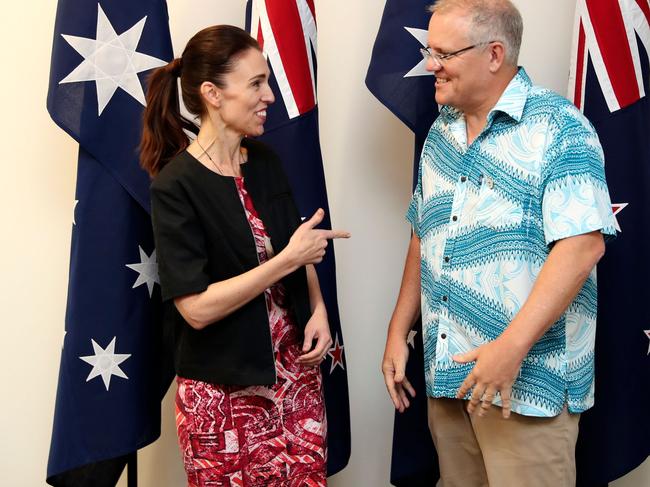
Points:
(497, 366)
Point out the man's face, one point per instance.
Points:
(460, 79)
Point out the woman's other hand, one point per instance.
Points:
(318, 329)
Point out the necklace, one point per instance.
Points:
(205, 151)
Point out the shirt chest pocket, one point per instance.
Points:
(492, 208)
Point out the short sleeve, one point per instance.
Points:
(575, 198)
(180, 243)
(414, 211)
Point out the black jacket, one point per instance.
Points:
(202, 236)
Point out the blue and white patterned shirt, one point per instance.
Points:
(487, 216)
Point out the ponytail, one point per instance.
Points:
(162, 132)
(209, 56)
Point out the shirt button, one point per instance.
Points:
(454, 218)
(463, 179)
(446, 258)
(444, 298)
(443, 336)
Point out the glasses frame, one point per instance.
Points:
(439, 59)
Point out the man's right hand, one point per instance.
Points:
(393, 367)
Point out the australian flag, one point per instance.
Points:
(609, 81)
(286, 30)
(110, 379)
(398, 78)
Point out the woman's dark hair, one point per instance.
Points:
(209, 56)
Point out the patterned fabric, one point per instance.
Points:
(486, 216)
(257, 435)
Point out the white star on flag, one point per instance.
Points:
(419, 69)
(105, 362)
(111, 60)
(647, 333)
(74, 212)
(411, 338)
(617, 208)
(147, 269)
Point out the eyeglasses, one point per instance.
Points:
(439, 59)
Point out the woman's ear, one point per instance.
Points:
(211, 94)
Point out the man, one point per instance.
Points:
(508, 220)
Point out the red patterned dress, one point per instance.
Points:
(254, 436)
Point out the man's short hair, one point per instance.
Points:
(492, 20)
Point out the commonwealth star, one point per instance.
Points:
(419, 69)
(111, 60)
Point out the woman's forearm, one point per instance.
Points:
(224, 297)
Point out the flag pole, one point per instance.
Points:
(132, 470)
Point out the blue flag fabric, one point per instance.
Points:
(606, 85)
(396, 74)
(398, 79)
(112, 374)
(287, 33)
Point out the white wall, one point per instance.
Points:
(36, 199)
(367, 155)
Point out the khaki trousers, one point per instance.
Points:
(491, 451)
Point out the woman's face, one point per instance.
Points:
(246, 95)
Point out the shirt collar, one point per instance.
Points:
(511, 102)
(513, 98)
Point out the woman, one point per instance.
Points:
(241, 295)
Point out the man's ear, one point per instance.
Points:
(497, 53)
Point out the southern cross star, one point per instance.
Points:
(411, 338)
(616, 209)
(105, 362)
(147, 269)
(111, 60)
(336, 353)
(74, 212)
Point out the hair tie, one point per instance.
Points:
(176, 66)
